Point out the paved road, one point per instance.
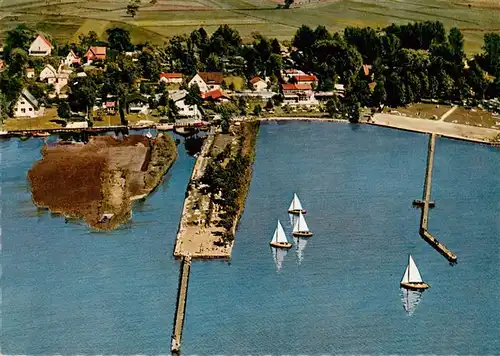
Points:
(443, 128)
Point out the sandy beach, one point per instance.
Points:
(443, 128)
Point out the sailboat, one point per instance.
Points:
(279, 238)
(411, 278)
(295, 206)
(300, 227)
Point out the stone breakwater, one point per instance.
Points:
(98, 181)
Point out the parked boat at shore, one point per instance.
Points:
(300, 227)
(296, 206)
(279, 238)
(412, 278)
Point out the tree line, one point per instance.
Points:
(408, 63)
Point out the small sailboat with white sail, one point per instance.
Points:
(296, 206)
(279, 238)
(300, 228)
(412, 278)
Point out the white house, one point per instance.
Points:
(138, 104)
(40, 47)
(48, 74)
(185, 110)
(207, 80)
(71, 59)
(258, 84)
(27, 106)
(298, 94)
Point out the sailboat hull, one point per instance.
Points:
(414, 286)
(281, 244)
(297, 211)
(302, 233)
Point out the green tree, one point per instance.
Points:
(19, 37)
(63, 110)
(257, 110)
(275, 46)
(269, 105)
(83, 94)
(132, 8)
(17, 62)
(4, 107)
(304, 38)
(288, 3)
(456, 41)
(150, 62)
(88, 40)
(379, 95)
(193, 96)
(491, 54)
(333, 106)
(119, 39)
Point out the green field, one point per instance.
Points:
(65, 19)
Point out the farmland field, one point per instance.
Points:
(65, 19)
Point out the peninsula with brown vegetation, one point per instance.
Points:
(98, 181)
(216, 193)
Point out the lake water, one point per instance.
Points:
(66, 290)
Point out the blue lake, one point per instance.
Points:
(67, 290)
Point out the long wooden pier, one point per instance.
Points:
(180, 310)
(425, 204)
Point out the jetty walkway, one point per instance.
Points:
(180, 310)
(425, 205)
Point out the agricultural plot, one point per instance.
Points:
(171, 17)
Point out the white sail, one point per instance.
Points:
(278, 255)
(300, 224)
(295, 203)
(405, 276)
(411, 275)
(410, 299)
(279, 234)
(301, 245)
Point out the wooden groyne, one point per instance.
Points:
(425, 205)
(180, 310)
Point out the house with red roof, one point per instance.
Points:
(207, 80)
(258, 84)
(72, 59)
(171, 78)
(216, 95)
(40, 47)
(305, 79)
(298, 94)
(95, 53)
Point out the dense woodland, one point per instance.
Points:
(408, 63)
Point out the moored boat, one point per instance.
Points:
(296, 206)
(40, 134)
(412, 278)
(279, 238)
(300, 228)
